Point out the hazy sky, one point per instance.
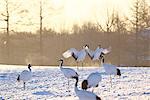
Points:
(60, 14)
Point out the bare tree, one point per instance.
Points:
(107, 28)
(119, 24)
(76, 29)
(109, 23)
(144, 24)
(140, 21)
(144, 15)
(6, 19)
(9, 8)
(41, 41)
(119, 27)
(136, 25)
(141, 15)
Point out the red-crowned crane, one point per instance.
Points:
(98, 53)
(110, 69)
(92, 81)
(68, 72)
(78, 56)
(85, 95)
(25, 76)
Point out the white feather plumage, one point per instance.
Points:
(69, 53)
(25, 75)
(68, 72)
(85, 95)
(95, 55)
(77, 55)
(94, 79)
(110, 69)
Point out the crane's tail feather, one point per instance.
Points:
(98, 98)
(84, 85)
(118, 72)
(97, 85)
(67, 54)
(18, 78)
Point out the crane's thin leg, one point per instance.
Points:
(82, 65)
(68, 86)
(110, 81)
(77, 66)
(24, 85)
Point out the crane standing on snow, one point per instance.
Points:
(25, 76)
(85, 95)
(68, 72)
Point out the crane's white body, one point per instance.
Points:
(110, 69)
(25, 75)
(94, 79)
(85, 95)
(68, 72)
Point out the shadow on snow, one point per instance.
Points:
(43, 93)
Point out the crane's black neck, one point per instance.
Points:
(74, 56)
(88, 52)
(61, 64)
(29, 67)
(102, 59)
(101, 55)
(87, 45)
(76, 84)
(91, 56)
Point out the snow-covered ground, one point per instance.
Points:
(48, 83)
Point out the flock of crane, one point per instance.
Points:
(92, 80)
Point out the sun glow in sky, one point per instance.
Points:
(60, 14)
